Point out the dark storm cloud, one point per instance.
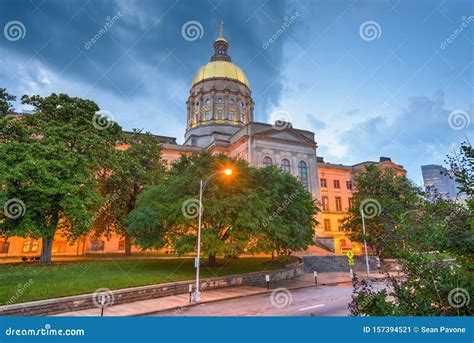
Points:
(146, 36)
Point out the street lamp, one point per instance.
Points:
(365, 245)
(202, 185)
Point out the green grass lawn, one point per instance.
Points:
(70, 278)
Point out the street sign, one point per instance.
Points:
(350, 258)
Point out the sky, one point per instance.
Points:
(371, 78)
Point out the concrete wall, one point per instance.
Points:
(85, 301)
(336, 263)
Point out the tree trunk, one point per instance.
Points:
(212, 260)
(46, 250)
(128, 245)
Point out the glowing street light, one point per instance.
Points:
(203, 184)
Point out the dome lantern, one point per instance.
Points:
(220, 47)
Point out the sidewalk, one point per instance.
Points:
(177, 302)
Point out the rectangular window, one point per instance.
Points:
(4, 246)
(26, 246)
(323, 183)
(34, 246)
(338, 204)
(325, 201)
(349, 184)
(59, 246)
(327, 225)
(219, 115)
(351, 203)
(98, 246)
(121, 245)
(231, 116)
(337, 184)
(340, 225)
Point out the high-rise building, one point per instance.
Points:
(436, 180)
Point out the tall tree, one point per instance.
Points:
(47, 167)
(435, 246)
(240, 212)
(132, 166)
(6, 102)
(384, 197)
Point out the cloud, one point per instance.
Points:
(419, 134)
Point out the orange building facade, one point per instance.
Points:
(336, 185)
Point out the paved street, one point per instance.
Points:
(317, 301)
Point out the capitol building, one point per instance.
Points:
(220, 119)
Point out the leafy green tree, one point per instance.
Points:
(290, 223)
(131, 167)
(5, 102)
(240, 212)
(435, 246)
(384, 197)
(47, 167)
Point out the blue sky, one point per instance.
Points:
(402, 87)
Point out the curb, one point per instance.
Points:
(238, 296)
(334, 283)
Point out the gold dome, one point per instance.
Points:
(221, 69)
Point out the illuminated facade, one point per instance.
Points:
(220, 119)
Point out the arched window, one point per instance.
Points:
(303, 173)
(285, 166)
(267, 161)
(219, 100)
(232, 101)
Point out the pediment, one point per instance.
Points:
(287, 135)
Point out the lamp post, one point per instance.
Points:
(202, 185)
(365, 245)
